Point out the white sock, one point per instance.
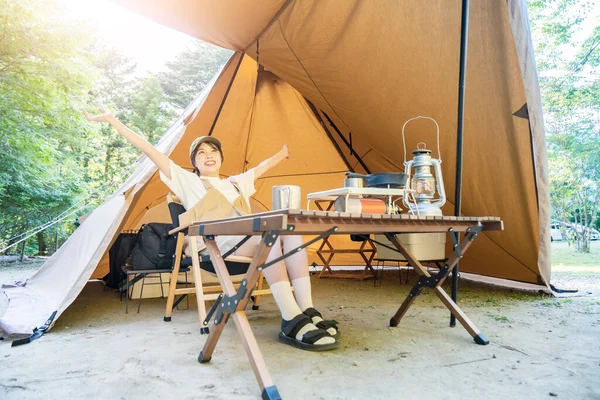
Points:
(282, 292)
(303, 293)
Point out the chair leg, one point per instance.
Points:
(127, 295)
(174, 276)
(198, 285)
(162, 293)
(141, 292)
(258, 298)
(187, 285)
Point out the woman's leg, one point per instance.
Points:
(278, 281)
(297, 268)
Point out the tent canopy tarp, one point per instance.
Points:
(367, 67)
(372, 65)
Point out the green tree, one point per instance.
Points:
(44, 80)
(148, 112)
(138, 101)
(568, 58)
(189, 73)
(109, 156)
(51, 158)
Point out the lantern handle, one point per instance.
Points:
(438, 137)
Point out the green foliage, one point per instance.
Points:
(51, 158)
(148, 112)
(557, 303)
(43, 78)
(497, 317)
(564, 256)
(568, 58)
(191, 71)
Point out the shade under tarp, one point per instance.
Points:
(372, 65)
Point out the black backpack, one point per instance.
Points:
(154, 248)
(118, 255)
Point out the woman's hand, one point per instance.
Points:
(102, 117)
(269, 163)
(285, 151)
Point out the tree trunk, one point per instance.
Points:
(10, 248)
(23, 250)
(56, 239)
(42, 246)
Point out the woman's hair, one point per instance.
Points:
(193, 157)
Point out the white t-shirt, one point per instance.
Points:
(188, 187)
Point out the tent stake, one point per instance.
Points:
(464, 37)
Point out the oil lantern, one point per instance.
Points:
(421, 200)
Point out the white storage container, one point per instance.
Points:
(424, 246)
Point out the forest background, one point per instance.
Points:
(55, 166)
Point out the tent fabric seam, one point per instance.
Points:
(347, 143)
(306, 72)
(329, 135)
(251, 124)
(506, 251)
(218, 113)
(268, 25)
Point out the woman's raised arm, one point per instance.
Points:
(158, 158)
(269, 163)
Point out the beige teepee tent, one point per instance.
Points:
(364, 67)
(372, 65)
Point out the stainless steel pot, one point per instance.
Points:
(354, 182)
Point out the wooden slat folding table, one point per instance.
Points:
(271, 225)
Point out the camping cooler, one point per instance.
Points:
(424, 246)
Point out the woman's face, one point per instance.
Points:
(208, 160)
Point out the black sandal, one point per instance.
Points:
(326, 324)
(291, 328)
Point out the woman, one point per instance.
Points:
(302, 326)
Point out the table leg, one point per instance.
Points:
(419, 269)
(368, 260)
(325, 242)
(426, 280)
(330, 204)
(326, 261)
(395, 320)
(269, 390)
(477, 335)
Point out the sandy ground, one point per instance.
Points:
(540, 347)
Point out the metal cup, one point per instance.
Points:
(287, 196)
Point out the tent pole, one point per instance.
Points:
(464, 37)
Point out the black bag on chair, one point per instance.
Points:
(118, 254)
(154, 248)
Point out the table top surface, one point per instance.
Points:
(314, 222)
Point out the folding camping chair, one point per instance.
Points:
(134, 276)
(206, 285)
